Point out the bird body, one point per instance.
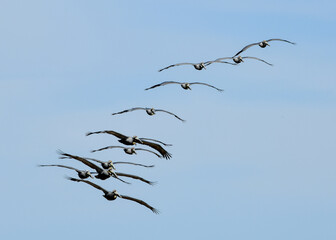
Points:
(133, 140)
(113, 195)
(149, 111)
(197, 66)
(184, 85)
(262, 44)
(129, 151)
(239, 59)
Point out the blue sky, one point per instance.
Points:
(254, 162)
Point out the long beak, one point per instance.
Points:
(268, 44)
(91, 176)
(189, 88)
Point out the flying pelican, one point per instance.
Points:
(112, 195)
(197, 66)
(239, 59)
(149, 111)
(82, 174)
(110, 164)
(185, 86)
(103, 173)
(262, 44)
(129, 151)
(134, 140)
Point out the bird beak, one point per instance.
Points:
(90, 175)
(267, 44)
(242, 60)
(189, 88)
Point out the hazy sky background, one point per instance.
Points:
(254, 162)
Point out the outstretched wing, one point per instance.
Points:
(154, 210)
(135, 177)
(136, 164)
(161, 110)
(150, 139)
(93, 159)
(177, 64)
(219, 61)
(278, 39)
(223, 58)
(221, 90)
(83, 160)
(108, 147)
(245, 48)
(162, 84)
(259, 60)
(129, 110)
(118, 135)
(55, 165)
(158, 148)
(88, 182)
(147, 151)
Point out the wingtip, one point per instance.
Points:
(156, 211)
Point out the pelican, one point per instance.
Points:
(112, 195)
(149, 111)
(262, 44)
(106, 165)
(109, 164)
(197, 66)
(103, 173)
(184, 85)
(129, 151)
(239, 59)
(82, 174)
(134, 140)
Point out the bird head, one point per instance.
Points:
(116, 193)
(110, 163)
(136, 138)
(133, 150)
(202, 66)
(152, 110)
(89, 174)
(240, 59)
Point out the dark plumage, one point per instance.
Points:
(134, 140)
(262, 44)
(184, 85)
(149, 111)
(112, 195)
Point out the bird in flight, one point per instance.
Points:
(134, 140)
(262, 44)
(197, 66)
(149, 111)
(129, 151)
(112, 195)
(184, 85)
(240, 59)
(82, 174)
(103, 173)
